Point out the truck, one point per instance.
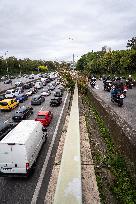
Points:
(20, 147)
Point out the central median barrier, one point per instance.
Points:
(69, 190)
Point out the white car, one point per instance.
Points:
(29, 93)
(46, 93)
(10, 93)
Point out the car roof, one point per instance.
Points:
(7, 100)
(43, 112)
(22, 108)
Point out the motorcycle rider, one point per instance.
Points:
(115, 91)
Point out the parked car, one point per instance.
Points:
(22, 146)
(19, 89)
(8, 81)
(5, 128)
(21, 98)
(8, 104)
(31, 76)
(2, 97)
(44, 117)
(56, 101)
(29, 93)
(58, 94)
(37, 100)
(22, 113)
(45, 92)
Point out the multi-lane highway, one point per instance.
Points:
(21, 190)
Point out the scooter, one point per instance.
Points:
(92, 83)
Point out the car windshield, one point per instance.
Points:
(3, 103)
(41, 116)
(8, 92)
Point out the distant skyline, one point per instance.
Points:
(54, 30)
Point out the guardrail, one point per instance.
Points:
(69, 190)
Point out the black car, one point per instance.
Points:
(56, 101)
(2, 97)
(22, 113)
(58, 93)
(37, 100)
(28, 86)
(8, 81)
(5, 128)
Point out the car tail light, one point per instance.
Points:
(27, 166)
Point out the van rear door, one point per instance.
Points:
(12, 158)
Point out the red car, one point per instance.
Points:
(44, 117)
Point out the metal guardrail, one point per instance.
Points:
(69, 188)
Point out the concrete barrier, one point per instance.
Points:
(69, 190)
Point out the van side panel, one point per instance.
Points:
(33, 145)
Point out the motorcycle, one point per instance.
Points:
(118, 99)
(92, 83)
(107, 85)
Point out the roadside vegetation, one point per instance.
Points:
(114, 181)
(13, 66)
(106, 61)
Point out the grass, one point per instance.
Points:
(122, 188)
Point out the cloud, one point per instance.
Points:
(57, 29)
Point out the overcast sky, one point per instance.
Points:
(54, 29)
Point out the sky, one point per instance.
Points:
(55, 29)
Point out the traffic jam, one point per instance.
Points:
(30, 111)
(26, 112)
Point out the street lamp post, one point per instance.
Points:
(6, 62)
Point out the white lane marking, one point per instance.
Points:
(39, 183)
(6, 121)
(41, 108)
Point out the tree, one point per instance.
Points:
(132, 43)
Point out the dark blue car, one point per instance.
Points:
(21, 98)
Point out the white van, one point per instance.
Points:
(20, 147)
(38, 85)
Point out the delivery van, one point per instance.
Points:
(20, 148)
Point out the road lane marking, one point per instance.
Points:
(39, 183)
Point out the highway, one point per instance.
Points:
(9, 86)
(21, 190)
(127, 111)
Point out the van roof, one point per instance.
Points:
(20, 134)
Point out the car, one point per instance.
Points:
(5, 128)
(44, 117)
(19, 89)
(2, 97)
(37, 100)
(56, 101)
(29, 93)
(45, 92)
(19, 83)
(10, 93)
(61, 88)
(28, 85)
(51, 87)
(22, 113)
(21, 98)
(8, 81)
(58, 93)
(8, 104)
(31, 76)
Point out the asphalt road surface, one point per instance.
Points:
(127, 111)
(21, 190)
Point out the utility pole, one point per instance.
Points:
(73, 60)
(6, 62)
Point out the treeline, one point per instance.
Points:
(119, 62)
(13, 65)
